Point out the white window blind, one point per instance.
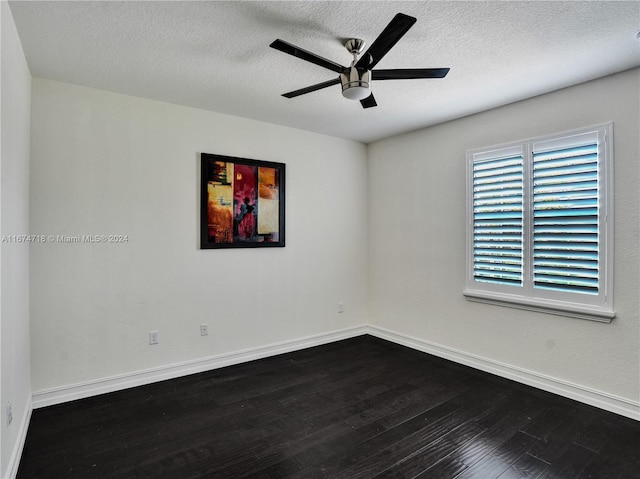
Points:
(497, 220)
(540, 233)
(566, 214)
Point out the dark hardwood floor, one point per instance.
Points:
(359, 408)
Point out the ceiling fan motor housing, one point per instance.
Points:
(355, 83)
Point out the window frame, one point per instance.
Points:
(593, 307)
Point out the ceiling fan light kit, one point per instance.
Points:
(355, 83)
(356, 79)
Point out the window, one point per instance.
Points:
(539, 229)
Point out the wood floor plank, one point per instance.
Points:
(431, 459)
(500, 459)
(616, 457)
(599, 431)
(354, 409)
(572, 463)
(500, 423)
(435, 421)
(457, 423)
(557, 435)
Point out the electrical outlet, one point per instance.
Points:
(154, 337)
(9, 414)
(340, 308)
(204, 330)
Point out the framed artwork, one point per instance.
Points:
(242, 202)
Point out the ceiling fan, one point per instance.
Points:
(356, 79)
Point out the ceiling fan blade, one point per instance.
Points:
(409, 73)
(368, 102)
(305, 55)
(309, 89)
(393, 32)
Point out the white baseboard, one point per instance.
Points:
(599, 399)
(138, 378)
(602, 400)
(16, 454)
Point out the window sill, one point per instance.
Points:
(593, 313)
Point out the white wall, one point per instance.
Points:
(417, 247)
(15, 385)
(104, 163)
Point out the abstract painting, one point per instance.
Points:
(242, 202)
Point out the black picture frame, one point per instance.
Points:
(242, 202)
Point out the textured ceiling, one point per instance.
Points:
(216, 55)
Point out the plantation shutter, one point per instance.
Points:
(566, 215)
(497, 219)
(540, 224)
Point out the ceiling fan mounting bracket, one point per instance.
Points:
(354, 46)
